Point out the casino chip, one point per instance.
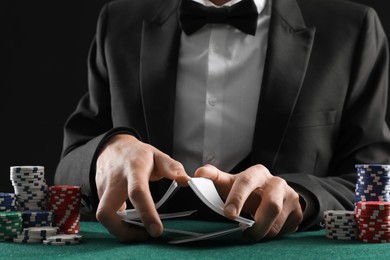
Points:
(30, 187)
(10, 224)
(340, 224)
(65, 201)
(66, 243)
(35, 234)
(63, 239)
(8, 202)
(37, 218)
(30, 216)
(373, 182)
(372, 204)
(373, 218)
(27, 240)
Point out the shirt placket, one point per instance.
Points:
(214, 97)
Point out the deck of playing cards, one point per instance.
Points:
(204, 188)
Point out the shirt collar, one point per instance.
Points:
(260, 4)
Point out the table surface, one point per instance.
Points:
(99, 244)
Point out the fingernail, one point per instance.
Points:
(153, 230)
(231, 209)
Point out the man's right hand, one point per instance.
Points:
(123, 171)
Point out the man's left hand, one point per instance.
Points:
(269, 199)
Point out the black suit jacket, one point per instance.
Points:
(322, 103)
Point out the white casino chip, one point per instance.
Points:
(64, 238)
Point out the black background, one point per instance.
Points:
(43, 56)
(43, 74)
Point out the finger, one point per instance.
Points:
(100, 184)
(141, 198)
(123, 207)
(292, 222)
(270, 209)
(106, 214)
(208, 171)
(244, 185)
(293, 215)
(222, 181)
(100, 190)
(278, 224)
(170, 168)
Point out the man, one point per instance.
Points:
(289, 104)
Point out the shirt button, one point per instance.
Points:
(212, 101)
(216, 48)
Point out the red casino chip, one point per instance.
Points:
(373, 218)
(66, 203)
(373, 205)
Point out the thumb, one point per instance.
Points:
(223, 181)
(169, 168)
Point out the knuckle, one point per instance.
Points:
(233, 206)
(245, 179)
(135, 191)
(274, 231)
(279, 182)
(176, 167)
(137, 163)
(260, 168)
(141, 159)
(101, 214)
(295, 197)
(275, 207)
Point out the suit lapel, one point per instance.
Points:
(289, 49)
(159, 57)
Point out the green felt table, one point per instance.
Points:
(99, 244)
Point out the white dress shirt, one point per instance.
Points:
(218, 88)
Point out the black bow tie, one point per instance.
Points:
(242, 16)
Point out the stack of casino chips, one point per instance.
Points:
(373, 183)
(30, 187)
(340, 224)
(10, 224)
(46, 235)
(37, 218)
(374, 221)
(65, 201)
(63, 239)
(8, 202)
(26, 208)
(35, 234)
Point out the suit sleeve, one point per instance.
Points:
(364, 135)
(88, 127)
